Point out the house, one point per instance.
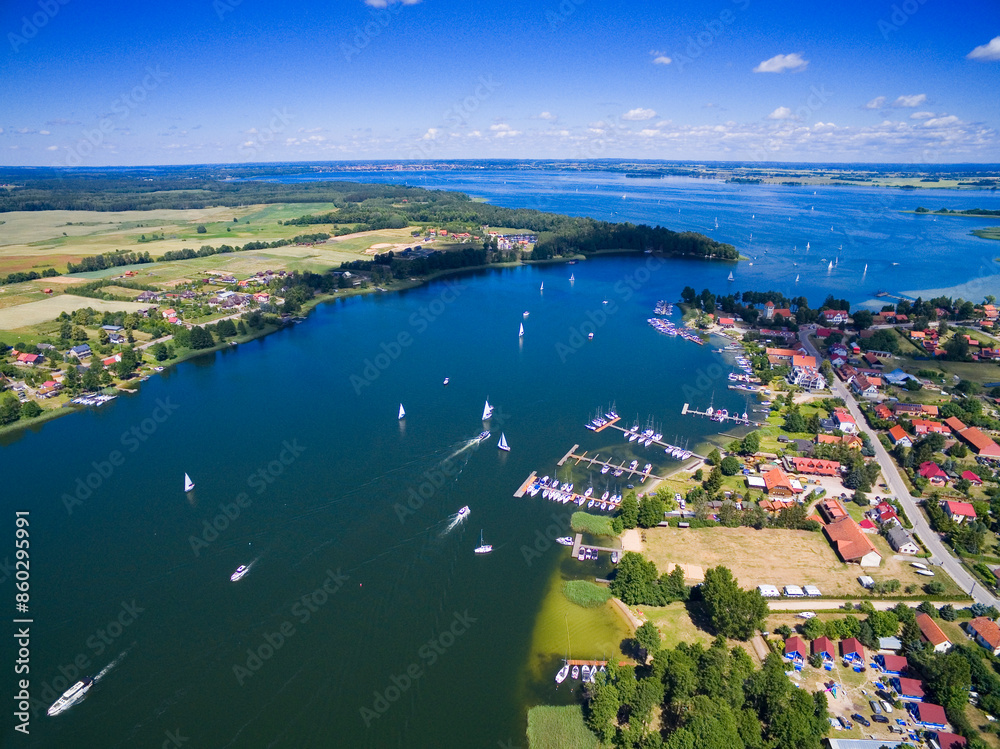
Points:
(960, 511)
(947, 740)
(81, 352)
(930, 632)
(899, 437)
(844, 421)
(901, 541)
(849, 440)
(893, 665)
(885, 513)
(795, 649)
(814, 466)
(168, 313)
(784, 313)
(851, 544)
(111, 360)
(727, 322)
(852, 650)
(28, 360)
(834, 316)
(864, 387)
(890, 643)
(112, 328)
(831, 510)
(908, 689)
(804, 361)
(907, 409)
(768, 591)
(933, 473)
(777, 483)
(882, 411)
(116, 339)
(986, 633)
(972, 478)
(867, 526)
(871, 360)
(928, 715)
(783, 355)
(822, 646)
(807, 378)
(923, 426)
(979, 442)
(147, 296)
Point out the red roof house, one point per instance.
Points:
(930, 715)
(852, 650)
(898, 436)
(931, 632)
(909, 689)
(972, 478)
(933, 473)
(960, 511)
(951, 740)
(795, 648)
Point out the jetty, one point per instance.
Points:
(660, 443)
(607, 424)
(612, 466)
(527, 482)
(579, 544)
(715, 416)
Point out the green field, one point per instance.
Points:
(559, 728)
(45, 310)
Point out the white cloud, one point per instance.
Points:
(662, 60)
(639, 115)
(877, 103)
(648, 132)
(387, 3)
(503, 130)
(52, 148)
(781, 63)
(44, 132)
(913, 100)
(431, 134)
(989, 51)
(921, 115)
(940, 121)
(781, 113)
(547, 116)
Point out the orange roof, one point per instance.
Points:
(848, 539)
(978, 440)
(897, 433)
(956, 424)
(804, 361)
(787, 352)
(930, 410)
(930, 630)
(815, 465)
(775, 478)
(987, 629)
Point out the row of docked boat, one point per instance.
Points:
(552, 490)
(603, 420)
(663, 308)
(668, 328)
(721, 415)
(93, 400)
(588, 673)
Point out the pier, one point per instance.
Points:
(579, 544)
(607, 424)
(715, 417)
(658, 443)
(614, 466)
(566, 456)
(581, 500)
(527, 482)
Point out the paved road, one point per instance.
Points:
(940, 554)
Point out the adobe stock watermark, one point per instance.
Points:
(301, 611)
(901, 13)
(379, 19)
(131, 440)
(697, 44)
(97, 644)
(31, 25)
(435, 478)
(597, 318)
(428, 654)
(259, 138)
(259, 481)
(457, 115)
(121, 109)
(562, 13)
(6, 569)
(174, 739)
(223, 8)
(814, 101)
(544, 539)
(419, 322)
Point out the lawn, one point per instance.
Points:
(776, 557)
(674, 624)
(559, 728)
(44, 310)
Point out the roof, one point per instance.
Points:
(804, 361)
(951, 740)
(960, 508)
(977, 439)
(843, 417)
(930, 713)
(970, 476)
(852, 645)
(867, 525)
(894, 662)
(863, 744)
(897, 433)
(898, 537)
(956, 424)
(815, 465)
(776, 478)
(929, 470)
(931, 631)
(910, 687)
(823, 645)
(795, 644)
(889, 643)
(987, 629)
(849, 540)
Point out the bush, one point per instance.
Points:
(730, 466)
(585, 593)
(934, 588)
(595, 525)
(947, 612)
(201, 229)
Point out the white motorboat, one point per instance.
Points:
(71, 696)
(241, 571)
(464, 513)
(565, 540)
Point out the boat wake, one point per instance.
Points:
(101, 674)
(453, 522)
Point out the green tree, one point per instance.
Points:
(603, 710)
(750, 444)
(730, 466)
(734, 612)
(160, 352)
(629, 510)
(30, 410)
(10, 408)
(948, 613)
(647, 636)
(650, 511)
(201, 338)
(634, 579)
(813, 628)
(201, 229)
(714, 457)
(794, 421)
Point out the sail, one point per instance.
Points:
(521, 331)
(572, 277)
(542, 287)
(502, 444)
(402, 411)
(188, 483)
(730, 275)
(487, 410)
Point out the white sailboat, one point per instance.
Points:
(807, 247)
(520, 331)
(487, 410)
(542, 287)
(830, 266)
(502, 444)
(796, 278)
(572, 278)
(402, 411)
(730, 275)
(188, 483)
(483, 548)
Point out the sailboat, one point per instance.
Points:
(572, 278)
(487, 410)
(562, 673)
(730, 275)
(830, 266)
(807, 247)
(447, 380)
(188, 483)
(520, 332)
(796, 278)
(542, 287)
(483, 548)
(402, 411)
(716, 223)
(502, 444)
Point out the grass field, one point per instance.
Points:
(777, 557)
(44, 310)
(674, 624)
(559, 728)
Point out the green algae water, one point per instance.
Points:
(365, 618)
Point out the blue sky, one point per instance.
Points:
(88, 83)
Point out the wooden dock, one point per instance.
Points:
(527, 482)
(566, 456)
(664, 445)
(604, 426)
(578, 544)
(737, 419)
(613, 466)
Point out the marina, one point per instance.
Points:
(721, 415)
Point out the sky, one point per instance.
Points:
(242, 81)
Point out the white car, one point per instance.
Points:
(808, 615)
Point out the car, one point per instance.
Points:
(876, 708)
(880, 719)
(848, 726)
(886, 707)
(808, 615)
(862, 720)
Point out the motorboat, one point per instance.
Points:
(562, 673)
(71, 696)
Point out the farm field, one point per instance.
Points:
(777, 557)
(34, 313)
